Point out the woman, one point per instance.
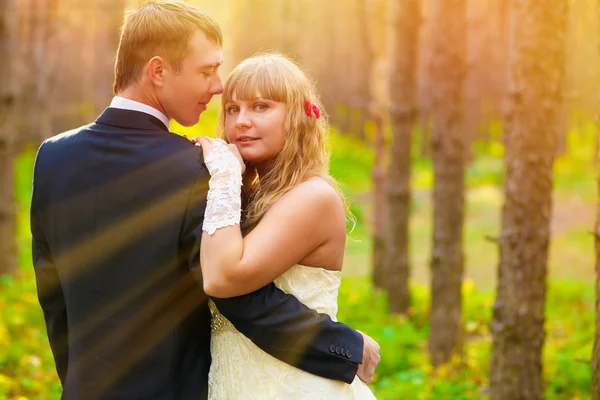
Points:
(294, 222)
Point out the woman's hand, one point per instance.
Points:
(207, 144)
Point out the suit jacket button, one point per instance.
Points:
(332, 348)
(344, 352)
(338, 351)
(348, 354)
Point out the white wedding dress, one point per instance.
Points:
(241, 370)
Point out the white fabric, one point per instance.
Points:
(126, 104)
(241, 370)
(224, 200)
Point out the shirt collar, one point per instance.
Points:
(127, 104)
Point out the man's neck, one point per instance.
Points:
(133, 100)
(135, 94)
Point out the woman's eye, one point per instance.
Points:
(261, 107)
(231, 110)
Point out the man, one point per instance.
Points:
(116, 219)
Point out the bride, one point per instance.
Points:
(273, 214)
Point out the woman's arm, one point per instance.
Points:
(297, 224)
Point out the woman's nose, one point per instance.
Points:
(243, 120)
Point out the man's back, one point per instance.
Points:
(116, 227)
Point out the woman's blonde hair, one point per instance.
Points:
(159, 28)
(305, 153)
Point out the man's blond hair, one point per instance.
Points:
(159, 28)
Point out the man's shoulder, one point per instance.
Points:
(187, 154)
(178, 141)
(67, 135)
(54, 145)
(183, 156)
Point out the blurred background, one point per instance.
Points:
(430, 103)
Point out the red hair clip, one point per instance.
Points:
(311, 108)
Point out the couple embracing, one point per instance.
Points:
(180, 269)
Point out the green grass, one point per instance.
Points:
(26, 363)
(27, 369)
(405, 373)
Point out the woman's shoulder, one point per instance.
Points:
(312, 200)
(315, 191)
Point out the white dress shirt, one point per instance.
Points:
(126, 104)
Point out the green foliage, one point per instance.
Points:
(26, 363)
(405, 373)
(575, 171)
(23, 180)
(208, 125)
(351, 162)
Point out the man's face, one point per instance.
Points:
(184, 96)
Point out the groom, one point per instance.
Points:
(116, 219)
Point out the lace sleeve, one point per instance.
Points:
(224, 201)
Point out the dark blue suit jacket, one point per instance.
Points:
(116, 218)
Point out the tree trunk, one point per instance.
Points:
(107, 41)
(379, 222)
(536, 74)
(376, 27)
(363, 96)
(582, 60)
(259, 26)
(342, 53)
(596, 352)
(426, 35)
(486, 76)
(38, 44)
(358, 58)
(311, 47)
(403, 114)
(425, 128)
(8, 244)
(447, 93)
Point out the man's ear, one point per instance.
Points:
(156, 71)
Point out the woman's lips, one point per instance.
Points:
(246, 139)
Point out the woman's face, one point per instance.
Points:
(256, 127)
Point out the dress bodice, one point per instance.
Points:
(315, 287)
(241, 370)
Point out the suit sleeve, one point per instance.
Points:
(276, 322)
(49, 288)
(282, 326)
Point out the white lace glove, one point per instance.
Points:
(224, 201)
